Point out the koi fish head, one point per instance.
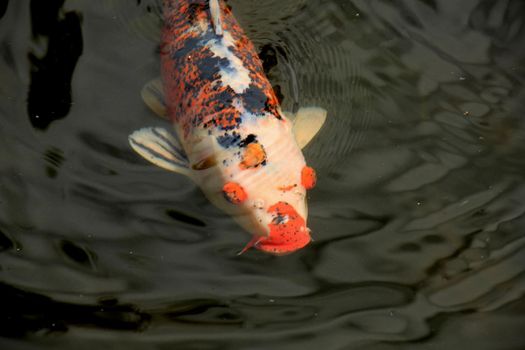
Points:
(269, 201)
(276, 216)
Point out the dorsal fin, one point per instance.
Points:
(216, 17)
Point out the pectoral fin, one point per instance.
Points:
(306, 123)
(153, 95)
(161, 148)
(216, 18)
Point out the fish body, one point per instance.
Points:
(231, 137)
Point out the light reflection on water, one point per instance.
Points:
(417, 217)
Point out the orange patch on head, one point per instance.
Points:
(308, 177)
(234, 193)
(286, 188)
(254, 155)
(288, 231)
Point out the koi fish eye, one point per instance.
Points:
(308, 177)
(234, 193)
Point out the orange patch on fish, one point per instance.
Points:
(234, 193)
(254, 155)
(197, 93)
(287, 188)
(308, 177)
(288, 231)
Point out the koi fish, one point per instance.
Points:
(230, 135)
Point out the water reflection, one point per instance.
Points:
(25, 313)
(417, 217)
(50, 97)
(3, 7)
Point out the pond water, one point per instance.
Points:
(418, 214)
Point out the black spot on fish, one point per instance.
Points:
(209, 67)
(193, 10)
(189, 45)
(227, 140)
(247, 140)
(224, 99)
(255, 100)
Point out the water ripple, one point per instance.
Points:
(417, 217)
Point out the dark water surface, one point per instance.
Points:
(418, 216)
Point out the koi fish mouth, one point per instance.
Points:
(288, 231)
